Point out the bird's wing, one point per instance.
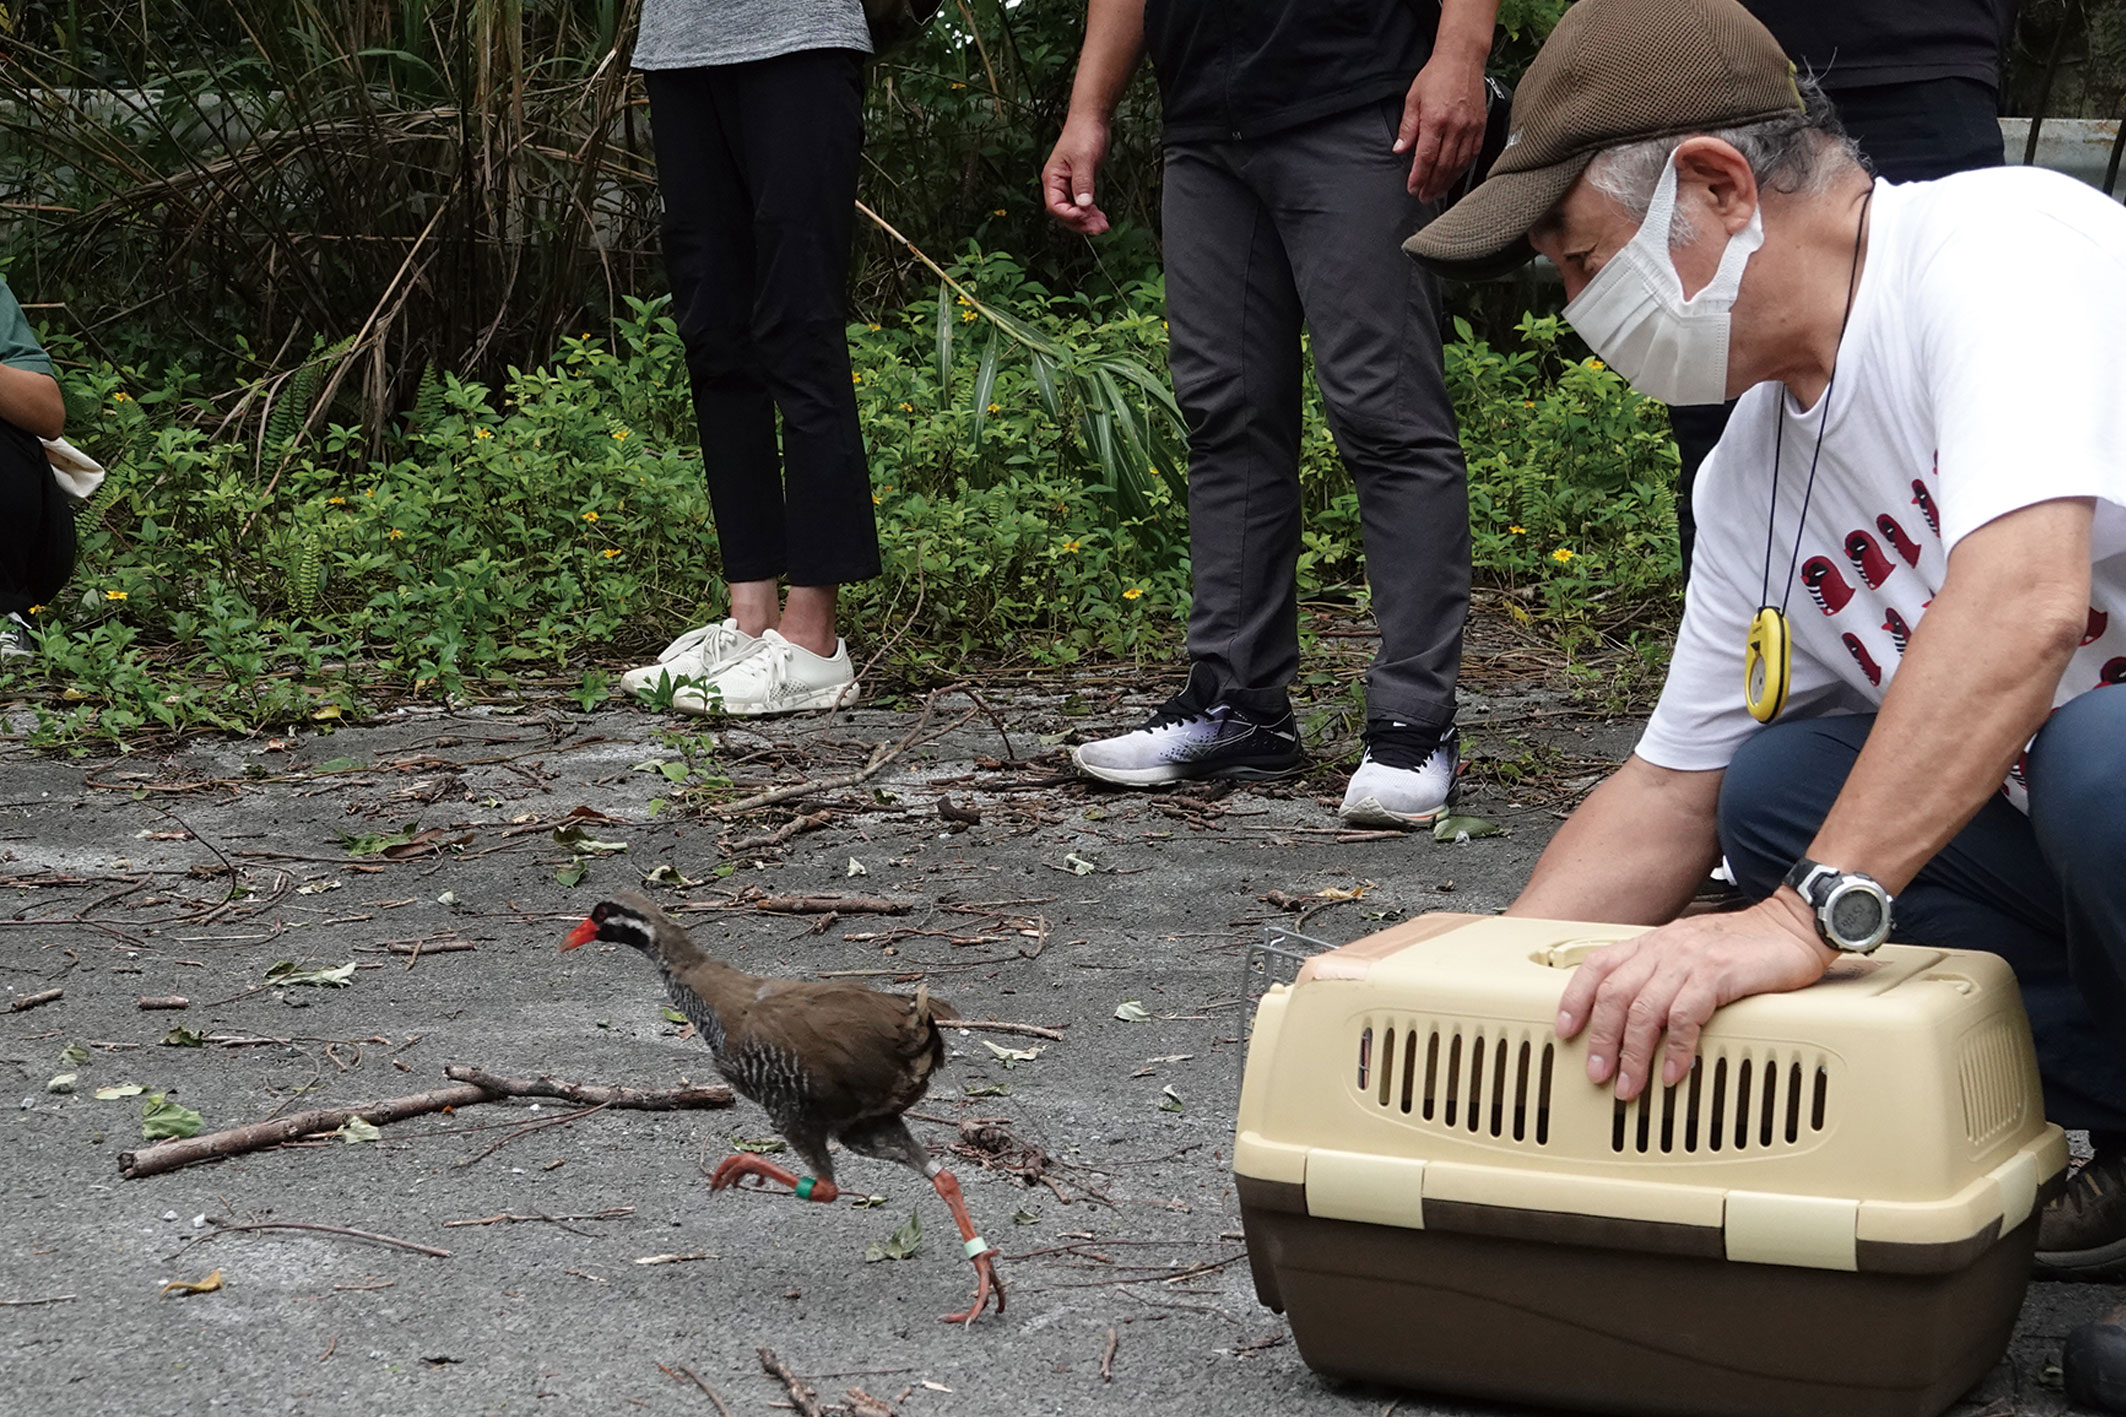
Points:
(863, 1054)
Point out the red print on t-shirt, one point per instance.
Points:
(1900, 632)
(1867, 663)
(2113, 672)
(1923, 500)
(1895, 535)
(1867, 558)
(1825, 584)
(2094, 631)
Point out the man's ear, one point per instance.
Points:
(1714, 181)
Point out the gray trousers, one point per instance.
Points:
(1303, 228)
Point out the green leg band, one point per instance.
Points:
(804, 1188)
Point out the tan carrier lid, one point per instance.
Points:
(1885, 1119)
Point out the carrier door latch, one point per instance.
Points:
(1813, 1232)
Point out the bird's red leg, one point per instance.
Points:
(978, 1249)
(746, 1163)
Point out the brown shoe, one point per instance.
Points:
(2093, 1364)
(2081, 1236)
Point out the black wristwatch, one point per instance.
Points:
(1852, 910)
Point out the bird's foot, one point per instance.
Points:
(745, 1163)
(985, 1284)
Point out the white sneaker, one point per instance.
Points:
(775, 677)
(1405, 780)
(1182, 742)
(15, 641)
(695, 655)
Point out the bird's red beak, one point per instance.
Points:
(582, 935)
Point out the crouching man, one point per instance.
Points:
(1891, 703)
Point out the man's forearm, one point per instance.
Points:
(1635, 851)
(1114, 43)
(1977, 680)
(30, 399)
(1465, 29)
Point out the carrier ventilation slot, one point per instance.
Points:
(1489, 1083)
(1732, 1103)
(1991, 1071)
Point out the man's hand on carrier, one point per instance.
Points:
(1669, 981)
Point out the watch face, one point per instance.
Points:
(1855, 916)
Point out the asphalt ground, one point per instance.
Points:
(1103, 1175)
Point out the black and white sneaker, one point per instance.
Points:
(1183, 742)
(1406, 778)
(15, 641)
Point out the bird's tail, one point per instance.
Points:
(929, 1008)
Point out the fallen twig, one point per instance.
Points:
(31, 1001)
(506, 1218)
(864, 1404)
(803, 1398)
(883, 754)
(475, 1085)
(695, 1378)
(794, 827)
(829, 905)
(166, 1001)
(1107, 1359)
(990, 1025)
(29, 1303)
(222, 1227)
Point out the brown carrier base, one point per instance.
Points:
(1619, 1330)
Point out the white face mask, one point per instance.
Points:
(1634, 316)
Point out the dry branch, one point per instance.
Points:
(1107, 1359)
(802, 1398)
(31, 1001)
(830, 905)
(165, 1001)
(222, 1227)
(883, 754)
(989, 1025)
(474, 1085)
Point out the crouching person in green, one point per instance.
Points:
(36, 520)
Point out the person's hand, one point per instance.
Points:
(1067, 178)
(1671, 980)
(1443, 122)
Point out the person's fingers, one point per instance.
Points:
(1057, 184)
(1644, 1020)
(1606, 1021)
(1424, 166)
(1579, 996)
(1407, 130)
(1687, 1014)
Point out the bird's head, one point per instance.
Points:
(617, 922)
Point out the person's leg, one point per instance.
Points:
(1991, 888)
(1233, 350)
(709, 260)
(799, 134)
(1335, 190)
(1917, 132)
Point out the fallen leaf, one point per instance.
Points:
(287, 971)
(449, 898)
(318, 887)
(376, 843)
(573, 873)
(940, 1387)
(1171, 1058)
(758, 1145)
(1080, 865)
(575, 838)
(867, 1202)
(1131, 1011)
(1008, 1056)
(64, 1082)
(182, 1037)
(194, 1286)
(990, 1089)
(856, 868)
(1169, 1100)
(355, 1130)
(1025, 1217)
(1341, 893)
(333, 765)
(672, 1015)
(118, 1090)
(74, 1053)
(666, 875)
(160, 1118)
(900, 1245)
(1459, 829)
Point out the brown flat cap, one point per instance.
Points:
(1612, 72)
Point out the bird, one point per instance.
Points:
(827, 1061)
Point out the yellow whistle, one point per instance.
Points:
(1767, 665)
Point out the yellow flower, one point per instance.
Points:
(1133, 592)
(957, 87)
(1596, 364)
(395, 534)
(590, 516)
(887, 488)
(907, 408)
(114, 595)
(35, 610)
(1518, 530)
(482, 433)
(335, 501)
(962, 300)
(620, 435)
(1527, 403)
(121, 397)
(872, 328)
(1071, 546)
(877, 501)
(1562, 555)
(856, 378)
(967, 317)
(609, 553)
(998, 212)
(996, 408)
(370, 493)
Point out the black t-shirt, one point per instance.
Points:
(1242, 68)
(1855, 43)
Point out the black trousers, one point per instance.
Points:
(36, 524)
(1910, 133)
(757, 166)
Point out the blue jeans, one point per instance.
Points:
(2046, 892)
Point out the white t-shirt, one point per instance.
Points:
(1983, 370)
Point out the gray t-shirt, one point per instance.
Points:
(691, 34)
